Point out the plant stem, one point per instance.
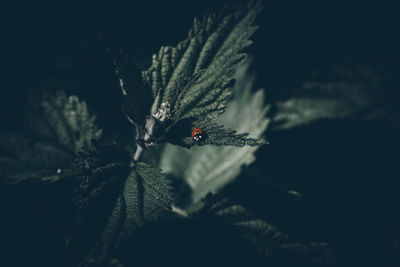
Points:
(179, 211)
(138, 153)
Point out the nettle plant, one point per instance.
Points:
(183, 106)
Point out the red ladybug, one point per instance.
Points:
(197, 134)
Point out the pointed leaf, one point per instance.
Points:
(276, 246)
(146, 197)
(78, 200)
(215, 45)
(341, 91)
(65, 120)
(217, 135)
(207, 169)
(57, 128)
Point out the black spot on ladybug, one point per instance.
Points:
(198, 135)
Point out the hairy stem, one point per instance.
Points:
(179, 211)
(138, 154)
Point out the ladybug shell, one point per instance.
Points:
(196, 131)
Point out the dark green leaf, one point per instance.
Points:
(193, 81)
(147, 194)
(356, 91)
(213, 44)
(79, 199)
(208, 168)
(64, 120)
(57, 128)
(217, 135)
(276, 246)
(23, 157)
(146, 197)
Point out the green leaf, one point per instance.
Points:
(217, 135)
(64, 120)
(77, 201)
(146, 197)
(23, 157)
(341, 91)
(105, 163)
(57, 127)
(251, 227)
(192, 82)
(207, 169)
(213, 43)
(80, 199)
(105, 200)
(278, 248)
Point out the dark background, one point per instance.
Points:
(346, 167)
(49, 45)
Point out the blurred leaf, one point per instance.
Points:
(81, 198)
(23, 157)
(256, 229)
(64, 120)
(57, 128)
(207, 169)
(276, 246)
(342, 91)
(103, 201)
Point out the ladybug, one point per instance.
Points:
(197, 134)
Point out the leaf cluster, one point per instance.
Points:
(192, 82)
(101, 196)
